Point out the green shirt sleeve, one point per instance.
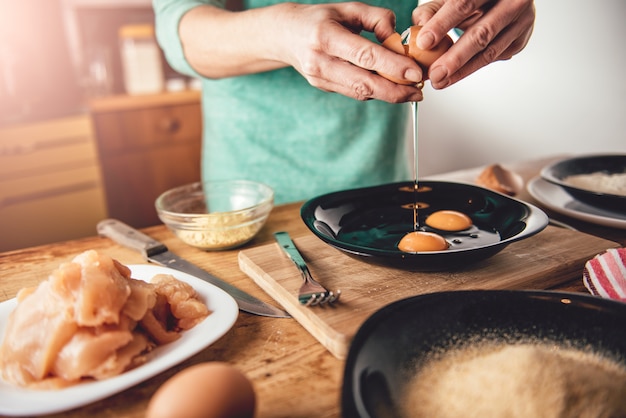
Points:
(274, 127)
(167, 18)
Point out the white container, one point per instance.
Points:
(141, 60)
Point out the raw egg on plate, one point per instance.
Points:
(418, 241)
(206, 390)
(449, 220)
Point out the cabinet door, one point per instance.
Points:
(145, 152)
(142, 129)
(134, 180)
(50, 184)
(50, 207)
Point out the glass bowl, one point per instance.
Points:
(216, 215)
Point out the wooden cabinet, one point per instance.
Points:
(50, 183)
(147, 145)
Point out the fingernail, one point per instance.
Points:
(413, 75)
(417, 97)
(425, 40)
(437, 74)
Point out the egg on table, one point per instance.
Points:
(206, 390)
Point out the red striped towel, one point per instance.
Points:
(605, 274)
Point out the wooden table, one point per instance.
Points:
(293, 375)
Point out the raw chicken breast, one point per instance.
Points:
(84, 323)
(95, 288)
(37, 329)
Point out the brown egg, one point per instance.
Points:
(394, 43)
(424, 57)
(498, 178)
(448, 220)
(206, 390)
(418, 241)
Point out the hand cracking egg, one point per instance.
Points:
(206, 390)
(449, 220)
(419, 241)
(406, 44)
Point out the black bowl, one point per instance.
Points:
(369, 222)
(391, 345)
(557, 172)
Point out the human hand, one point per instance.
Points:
(493, 30)
(324, 45)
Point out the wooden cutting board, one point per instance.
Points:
(550, 258)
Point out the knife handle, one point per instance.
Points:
(285, 242)
(128, 236)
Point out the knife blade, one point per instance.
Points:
(157, 252)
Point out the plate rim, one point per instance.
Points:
(536, 187)
(547, 173)
(539, 218)
(23, 401)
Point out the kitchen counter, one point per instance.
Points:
(292, 373)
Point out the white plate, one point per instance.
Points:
(19, 401)
(557, 199)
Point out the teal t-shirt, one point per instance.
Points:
(276, 128)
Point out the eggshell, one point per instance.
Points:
(206, 390)
(498, 178)
(418, 241)
(448, 220)
(394, 43)
(424, 57)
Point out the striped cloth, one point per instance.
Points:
(605, 274)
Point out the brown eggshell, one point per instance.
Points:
(426, 57)
(206, 390)
(498, 178)
(394, 43)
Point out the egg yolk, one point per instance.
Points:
(418, 241)
(448, 220)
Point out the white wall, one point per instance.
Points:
(565, 93)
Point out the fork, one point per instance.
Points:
(311, 293)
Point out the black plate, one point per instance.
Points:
(388, 348)
(368, 223)
(609, 164)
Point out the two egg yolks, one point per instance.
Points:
(443, 220)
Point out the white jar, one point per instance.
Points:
(141, 59)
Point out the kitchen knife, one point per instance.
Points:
(158, 253)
